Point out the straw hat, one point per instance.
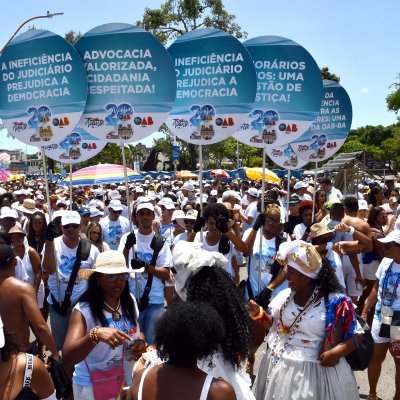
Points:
(109, 262)
(320, 229)
(28, 206)
(16, 229)
(190, 214)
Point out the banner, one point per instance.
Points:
(216, 86)
(176, 153)
(131, 80)
(289, 92)
(43, 87)
(78, 146)
(285, 156)
(331, 128)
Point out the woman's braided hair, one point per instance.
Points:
(214, 286)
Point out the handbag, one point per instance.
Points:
(107, 384)
(61, 381)
(391, 330)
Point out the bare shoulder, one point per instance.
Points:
(221, 389)
(14, 283)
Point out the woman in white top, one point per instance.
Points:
(302, 327)
(185, 333)
(30, 260)
(103, 335)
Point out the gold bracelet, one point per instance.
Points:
(259, 315)
(93, 335)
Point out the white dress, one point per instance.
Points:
(298, 373)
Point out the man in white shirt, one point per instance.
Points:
(250, 214)
(114, 226)
(331, 192)
(300, 189)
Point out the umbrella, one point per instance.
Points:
(220, 173)
(186, 175)
(255, 174)
(102, 173)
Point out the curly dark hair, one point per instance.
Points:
(187, 332)
(94, 296)
(305, 205)
(215, 210)
(6, 195)
(215, 286)
(327, 278)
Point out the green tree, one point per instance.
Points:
(326, 74)
(393, 99)
(72, 36)
(174, 18)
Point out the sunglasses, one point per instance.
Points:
(116, 211)
(272, 221)
(114, 277)
(73, 226)
(189, 221)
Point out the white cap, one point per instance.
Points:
(61, 202)
(214, 192)
(7, 212)
(188, 186)
(178, 214)
(115, 205)
(362, 204)
(95, 212)
(300, 185)
(252, 192)
(139, 190)
(145, 206)
(114, 195)
(393, 236)
(70, 217)
(58, 213)
(167, 203)
(204, 199)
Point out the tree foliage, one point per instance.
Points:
(72, 36)
(174, 18)
(393, 99)
(326, 74)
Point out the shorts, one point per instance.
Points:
(376, 327)
(368, 271)
(82, 392)
(349, 276)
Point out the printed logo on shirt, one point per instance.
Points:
(391, 287)
(115, 233)
(146, 257)
(66, 264)
(268, 258)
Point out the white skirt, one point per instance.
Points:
(301, 380)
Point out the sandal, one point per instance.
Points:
(372, 396)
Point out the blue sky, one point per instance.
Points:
(356, 39)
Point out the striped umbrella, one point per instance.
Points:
(102, 173)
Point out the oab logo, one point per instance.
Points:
(145, 121)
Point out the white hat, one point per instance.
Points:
(61, 202)
(139, 190)
(97, 192)
(214, 192)
(2, 340)
(188, 259)
(393, 236)
(360, 186)
(188, 186)
(252, 192)
(95, 212)
(300, 185)
(7, 212)
(301, 256)
(143, 199)
(28, 206)
(167, 203)
(70, 217)
(190, 214)
(58, 213)
(109, 262)
(177, 214)
(115, 205)
(204, 199)
(145, 206)
(114, 195)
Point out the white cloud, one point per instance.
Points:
(364, 90)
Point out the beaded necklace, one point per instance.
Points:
(290, 331)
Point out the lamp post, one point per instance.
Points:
(48, 15)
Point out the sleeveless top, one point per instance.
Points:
(204, 390)
(26, 262)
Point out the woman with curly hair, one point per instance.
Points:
(302, 231)
(185, 333)
(219, 236)
(309, 332)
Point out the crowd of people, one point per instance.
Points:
(170, 292)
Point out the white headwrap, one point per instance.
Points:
(301, 256)
(189, 258)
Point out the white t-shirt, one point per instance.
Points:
(336, 264)
(103, 357)
(394, 275)
(113, 230)
(305, 196)
(65, 259)
(232, 251)
(20, 272)
(144, 252)
(251, 211)
(181, 236)
(299, 231)
(268, 254)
